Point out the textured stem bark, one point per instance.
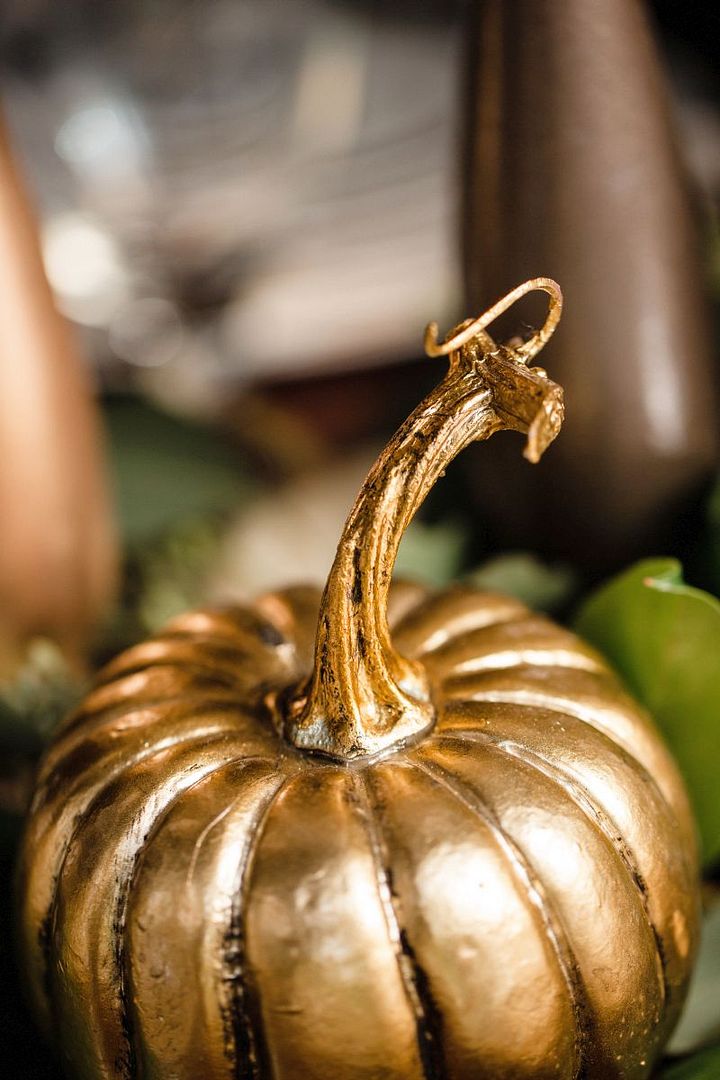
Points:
(363, 695)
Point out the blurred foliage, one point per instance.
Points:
(176, 485)
(43, 690)
(175, 570)
(523, 575)
(162, 578)
(663, 636)
(702, 1066)
(166, 471)
(431, 553)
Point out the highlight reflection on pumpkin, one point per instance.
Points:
(377, 833)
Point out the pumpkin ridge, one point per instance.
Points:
(125, 694)
(405, 597)
(208, 667)
(551, 921)
(428, 1020)
(585, 714)
(199, 651)
(431, 649)
(452, 623)
(209, 732)
(591, 718)
(94, 725)
(237, 1026)
(228, 620)
(66, 835)
(223, 633)
(120, 923)
(293, 612)
(193, 997)
(246, 1019)
(194, 653)
(64, 830)
(130, 704)
(526, 640)
(268, 637)
(515, 656)
(599, 817)
(124, 1064)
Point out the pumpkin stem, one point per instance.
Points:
(363, 696)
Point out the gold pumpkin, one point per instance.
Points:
(461, 851)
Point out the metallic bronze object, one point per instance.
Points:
(58, 556)
(412, 836)
(571, 165)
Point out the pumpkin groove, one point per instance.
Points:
(645, 941)
(592, 811)
(415, 981)
(229, 1009)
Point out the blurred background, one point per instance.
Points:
(250, 210)
(247, 212)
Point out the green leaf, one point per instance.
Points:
(663, 636)
(702, 1066)
(431, 553)
(166, 470)
(520, 574)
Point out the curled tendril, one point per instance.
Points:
(474, 329)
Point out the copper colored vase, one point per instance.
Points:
(58, 554)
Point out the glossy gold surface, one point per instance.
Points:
(506, 890)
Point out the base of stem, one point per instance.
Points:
(315, 733)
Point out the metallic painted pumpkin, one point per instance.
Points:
(374, 834)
